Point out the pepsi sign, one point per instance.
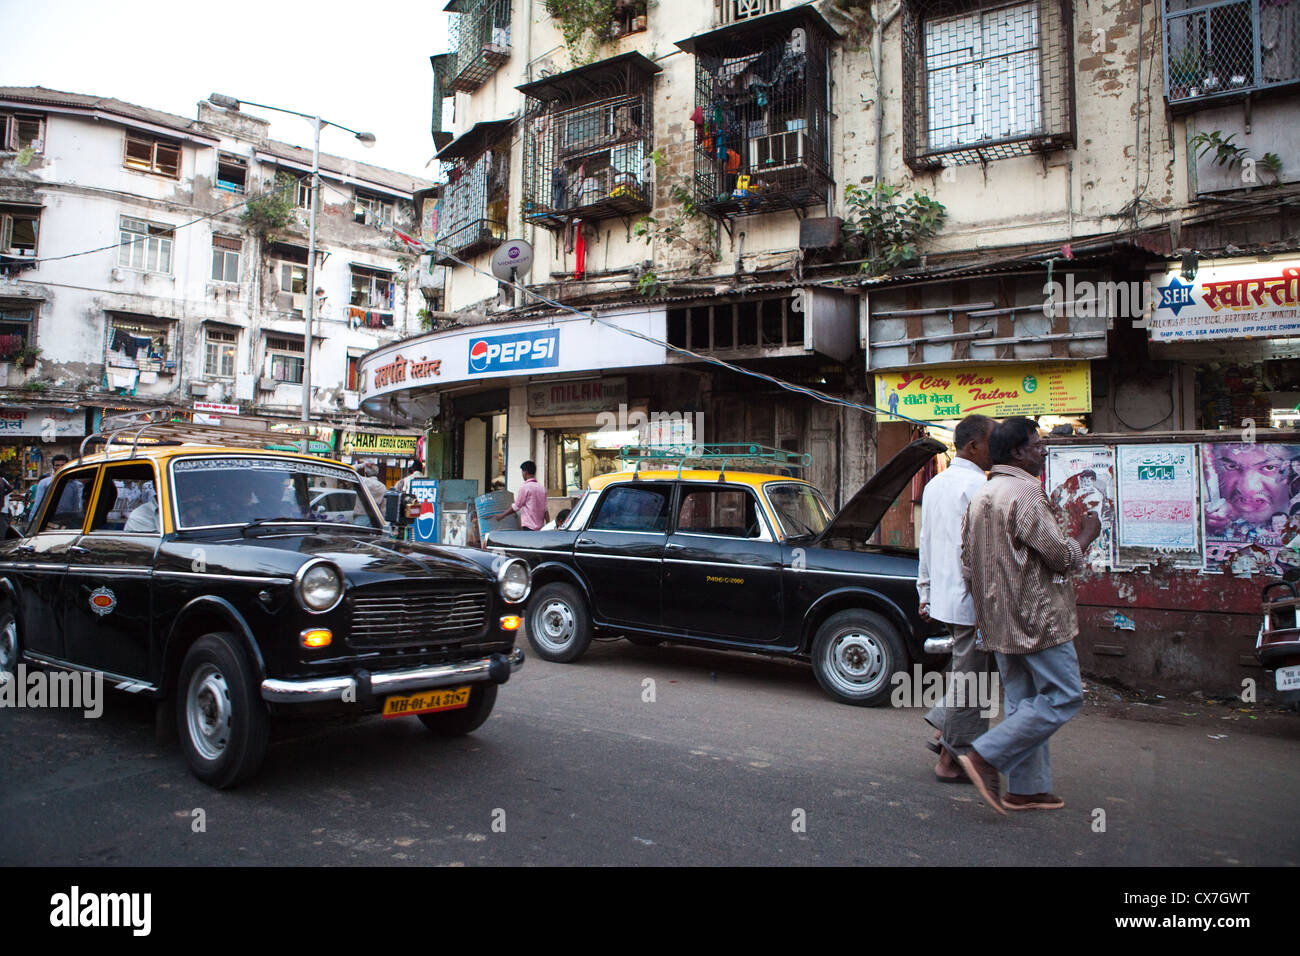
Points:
(425, 525)
(520, 352)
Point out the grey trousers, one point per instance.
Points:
(1043, 691)
(970, 667)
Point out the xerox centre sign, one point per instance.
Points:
(430, 363)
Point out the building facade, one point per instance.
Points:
(1076, 211)
(133, 276)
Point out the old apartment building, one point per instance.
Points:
(1082, 211)
(130, 276)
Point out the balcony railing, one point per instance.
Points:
(480, 38)
(761, 119)
(1226, 49)
(587, 142)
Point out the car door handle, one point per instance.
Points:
(586, 541)
(78, 549)
(26, 549)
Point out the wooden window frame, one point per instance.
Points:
(153, 142)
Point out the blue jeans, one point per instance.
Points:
(1042, 691)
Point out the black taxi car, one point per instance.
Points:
(206, 577)
(733, 560)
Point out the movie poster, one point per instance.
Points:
(1157, 503)
(1251, 495)
(1082, 479)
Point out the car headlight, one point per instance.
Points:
(318, 586)
(514, 580)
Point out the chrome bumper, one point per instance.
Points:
(938, 645)
(363, 685)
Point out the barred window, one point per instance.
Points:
(1218, 50)
(219, 352)
(989, 81)
(284, 359)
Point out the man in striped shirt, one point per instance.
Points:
(1017, 560)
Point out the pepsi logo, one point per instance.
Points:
(478, 355)
(426, 521)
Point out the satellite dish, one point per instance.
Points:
(513, 260)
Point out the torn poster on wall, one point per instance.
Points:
(1252, 507)
(1082, 479)
(1158, 504)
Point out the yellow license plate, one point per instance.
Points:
(425, 702)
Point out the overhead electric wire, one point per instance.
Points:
(707, 359)
(192, 222)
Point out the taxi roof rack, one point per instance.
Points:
(721, 456)
(167, 429)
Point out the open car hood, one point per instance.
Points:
(857, 520)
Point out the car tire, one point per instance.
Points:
(10, 648)
(559, 625)
(220, 718)
(464, 720)
(854, 655)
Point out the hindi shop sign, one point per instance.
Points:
(45, 423)
(1239, 301)
(999, 391)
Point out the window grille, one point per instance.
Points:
(219, 352)
(480, 38)
(1220, 50)
(473, 212)
(587, 142)
(761, 119)
(732, 11)
(986, 81)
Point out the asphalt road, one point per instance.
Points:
(737, 760)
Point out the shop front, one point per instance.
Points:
(394, 452)
(31, 436)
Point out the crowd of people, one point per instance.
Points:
(995, 569)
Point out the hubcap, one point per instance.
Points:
(208, 711)
(9, 647)
(555, 625)
(857, 662)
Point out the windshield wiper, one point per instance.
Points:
(259, 522)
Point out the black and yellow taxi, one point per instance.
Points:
(734, 560)
(231, 585)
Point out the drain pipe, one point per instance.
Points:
(877, 54)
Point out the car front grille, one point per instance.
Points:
(387, 615)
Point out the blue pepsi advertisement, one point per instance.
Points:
(520, 352)
(425, 526)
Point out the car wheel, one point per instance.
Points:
(854, 656)
(464, 720)
(559, 627)
(222, 722)
(9, 649)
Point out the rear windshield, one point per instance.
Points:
(799, 508)
(224, 491)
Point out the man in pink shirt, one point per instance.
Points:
(530, 500)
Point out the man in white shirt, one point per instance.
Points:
(944, 595)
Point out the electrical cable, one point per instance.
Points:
(192, 222)
(706, 359)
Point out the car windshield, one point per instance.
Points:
(236, 490)
(799, 508)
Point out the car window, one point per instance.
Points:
(69, 496)
(238, 490)
(629, 508)
(721, 511)
(128, 500)
(799, 508)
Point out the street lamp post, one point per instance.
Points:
(366, 139)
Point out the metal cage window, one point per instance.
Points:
(474, 209)
(762, 114)
(1222, 49)
(588, 135)
(480, 37)
(986, 81)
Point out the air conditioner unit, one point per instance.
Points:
(300, 301)
(777, 151)
(266, 384)
(199, 389)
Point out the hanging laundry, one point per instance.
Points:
(580, 269)
(119, 341)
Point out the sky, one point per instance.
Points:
(362, 64)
